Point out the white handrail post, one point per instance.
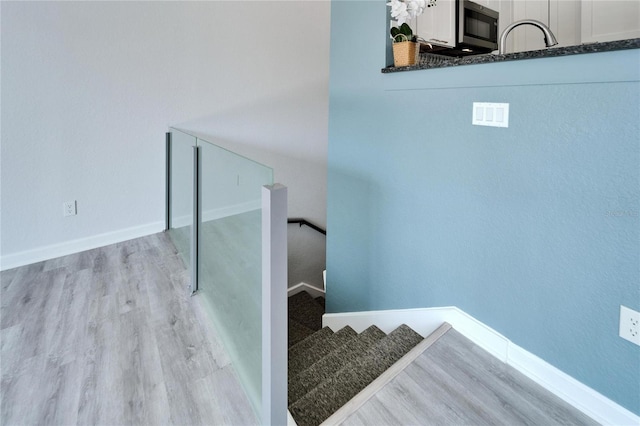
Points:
(274, 305)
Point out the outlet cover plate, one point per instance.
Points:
(69, 208)
(630, 325)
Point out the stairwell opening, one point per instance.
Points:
(306, 254)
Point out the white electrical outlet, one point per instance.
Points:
(630, 325)
(69, 208)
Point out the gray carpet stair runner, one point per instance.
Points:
(305, 316)
(327, 369)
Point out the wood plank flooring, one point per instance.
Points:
(454, 382)
(110, 337)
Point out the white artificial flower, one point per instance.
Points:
(399, 11)
(405, 10)
(416, 7)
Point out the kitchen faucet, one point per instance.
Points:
(549, 38)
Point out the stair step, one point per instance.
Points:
(309, 342)
(305, 310)
(309, 378)
(321, 301)
(298, 332)
(307, 358)
(318, 404)
(358, 401)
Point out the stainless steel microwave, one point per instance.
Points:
(477, 27)
(474, 31)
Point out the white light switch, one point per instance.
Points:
(490, 114)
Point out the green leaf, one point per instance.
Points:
(402, 33)
(406, 30)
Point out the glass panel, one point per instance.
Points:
(181, 196)
(230, 264)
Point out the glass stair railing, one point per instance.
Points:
(229, 223)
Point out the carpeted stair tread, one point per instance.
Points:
(318, 404)
(298, 332)
(307, 358)
(321, 301)
(309, 378)
(308, 342)
(305, 310)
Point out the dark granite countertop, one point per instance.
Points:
(429, 60)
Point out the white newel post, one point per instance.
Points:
(274, 305)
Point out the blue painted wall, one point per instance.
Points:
(534, 230)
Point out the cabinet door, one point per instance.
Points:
(528, 37)
(436, 25)
(610, 20)
(565, 21)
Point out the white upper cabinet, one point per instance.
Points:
(573, 22)
(608, 20)
(528, 37)
(565, 21)
(436, 25)
(561, 16)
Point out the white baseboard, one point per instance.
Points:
(426, 321)
(481, 334)
(582, 397)
(290, 420)
(313, 291)
(39, 254)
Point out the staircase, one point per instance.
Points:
(327, 369)
(446, 380)
(305, 316)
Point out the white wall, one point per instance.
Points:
(305, 178)
(89, 88)
(307, 256)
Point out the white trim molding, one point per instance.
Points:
(582, 397)
(425, 321)
(290, 420)
(300, 287)
(39, 254)
(52, 251)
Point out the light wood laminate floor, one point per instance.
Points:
(110, 337)
(455, 382)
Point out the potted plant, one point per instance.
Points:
(405, 44)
